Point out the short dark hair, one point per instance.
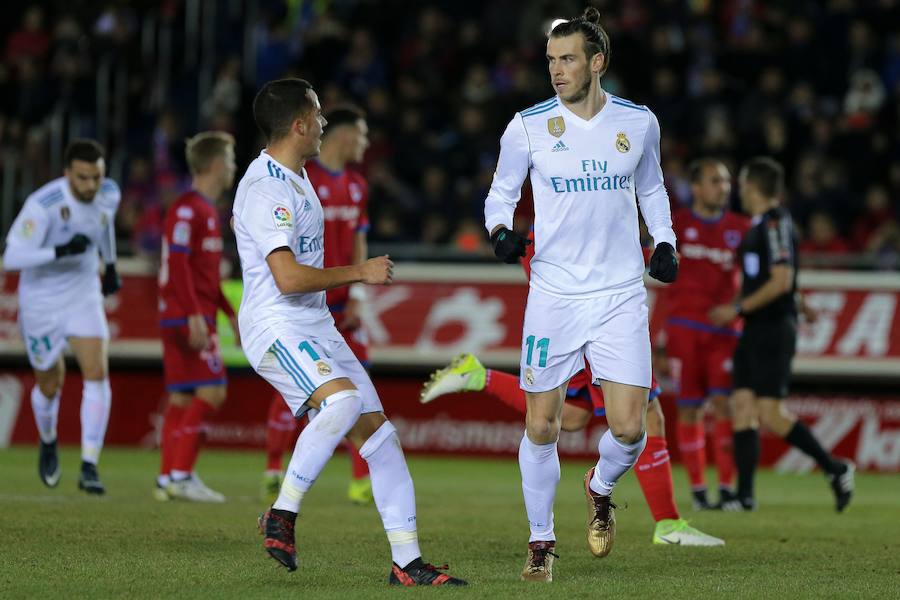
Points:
(345, 114)
(695, 167)
(766, 174)
(278, 104)
(596, 40)
(83, 149)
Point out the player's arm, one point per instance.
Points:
(270, 224)
(780, 282)
(112, 196)
(26, 238)
(293, 278)
(654, 204)
(180, 236)
(358, 293)
(506, 190)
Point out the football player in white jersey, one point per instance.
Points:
(54, 242)
(290, 338)
(588, 153)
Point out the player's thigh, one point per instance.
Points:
(44, 337)
(576, 414)
(186, 369)
(687, 364)
(618, 349)
(212, 394)
(306, 370)
(553, 339)
(91, 355)
(626, 409)
(719, 364)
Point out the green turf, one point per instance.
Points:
(59, 543)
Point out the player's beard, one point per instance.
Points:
(582, 92)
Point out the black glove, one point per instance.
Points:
(111, 281)
(664, 263)
(76, 245)
(509, 246)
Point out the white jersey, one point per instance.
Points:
(50, 217)
(584, 175)
(276, 207)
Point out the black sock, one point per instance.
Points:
(285, 514)
(801, 437)
(746, 457)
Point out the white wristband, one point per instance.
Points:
(359, 292)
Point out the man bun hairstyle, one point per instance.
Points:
(344, 114)
(202, 149)
(278, 103)
(766, 174)
(83, 149)
(596, 40)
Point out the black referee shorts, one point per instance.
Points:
(762, 358)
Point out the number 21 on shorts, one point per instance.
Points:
(543, 346)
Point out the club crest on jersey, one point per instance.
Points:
(356, 193)
(65, 213)
(282, 217)
(556, 126)
(732, 238)
(690, 233)
(529, 376)
(323, 192)
(27, 228)
(324, 368)
(622, 143)
(297, 187)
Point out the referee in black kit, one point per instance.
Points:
(762, 359)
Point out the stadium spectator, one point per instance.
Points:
(814, 85)
(822, 237)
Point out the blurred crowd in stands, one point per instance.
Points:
(813, 83)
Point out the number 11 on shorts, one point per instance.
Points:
(543, 345)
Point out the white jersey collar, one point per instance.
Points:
(579, 121)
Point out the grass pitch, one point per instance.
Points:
(61, 543)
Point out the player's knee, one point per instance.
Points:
(721, 407)
(94, 372)
(688, 414)
(628, 433)
(541, 429)
(50, 387)
(214, 395)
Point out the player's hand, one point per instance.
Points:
(112, 283)
(377, 271)
(198, 332)
(508, 245)
(664, 263)
(77, 245)
(352, 319)
(722, 315)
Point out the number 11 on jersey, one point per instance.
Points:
(543, 345)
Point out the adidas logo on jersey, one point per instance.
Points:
(560, 147)
(307, 205)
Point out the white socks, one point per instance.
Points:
(539, 464)
(392, 487)
(315, 446)
(96, 400)
(46, 414)
(615, 460)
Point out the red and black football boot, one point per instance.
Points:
(421, 573)
(278, 528)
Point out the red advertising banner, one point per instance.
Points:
(866, 430)
(433, 312)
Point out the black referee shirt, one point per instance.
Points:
(770, 241)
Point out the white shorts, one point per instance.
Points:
(297, 365)
(45, 332)
(611, 332)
